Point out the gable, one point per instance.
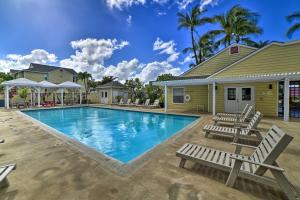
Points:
(275, 58)
(219, 61)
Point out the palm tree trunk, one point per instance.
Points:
(193, 45)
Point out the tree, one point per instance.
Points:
(85, 77)
(165, 77)
(107, 79)
(236, 24)
(295, 27)
(190, 21)
(4, 77)
(206, 47)
(23, 93)
(258, 44)
(135, 88)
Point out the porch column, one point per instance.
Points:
(31, 97)
(80, 96)
(39, 97)
(286, 101)
(62, 96)
(214, 99)
(166, 98)
(6, 97)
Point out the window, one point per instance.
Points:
(102, 95)
(234, 49)
(231, 94)
(105, 94)
(46, 77)
(74, 79)
(246, 94)
(178, 95)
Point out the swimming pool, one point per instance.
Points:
(121, 134)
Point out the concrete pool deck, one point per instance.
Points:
(48, 168)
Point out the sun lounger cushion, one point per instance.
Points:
(5, 170)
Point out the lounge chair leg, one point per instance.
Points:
(206, 134)
(4, 183)
(285, 185)
(182, 163)
(234, 173)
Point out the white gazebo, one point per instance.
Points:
(69, 85)
(20, 82)
(23, 82)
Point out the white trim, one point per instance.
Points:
(166, 98)
(277, 104)
(219, 52)
(208, 99)
(286, 99)
(214, 99)
(254, 53)
(173, 95)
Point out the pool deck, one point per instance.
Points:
(49, 168)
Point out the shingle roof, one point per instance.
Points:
(35, 67)
(111, 84)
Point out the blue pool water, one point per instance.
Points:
(123, 135)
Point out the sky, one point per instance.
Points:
(121, 38)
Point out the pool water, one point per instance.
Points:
(123, 135)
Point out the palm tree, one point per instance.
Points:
(206, 47)
(85, 77)
(258, 44)
(235, 24)
(295, 27)
(190, 21)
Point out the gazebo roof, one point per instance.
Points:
(21, 82)
(47, 84)
(69, 84)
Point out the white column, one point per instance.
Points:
(80, 96)
(214, 99)
(6, 97)
(286, 101)
(73, 97)
(39, 97)
(31, 97)
(62, 96)
(166, 98)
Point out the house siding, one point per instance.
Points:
(34, 76)
(265, 99)
(273, 59)
(220, 61)
(198, 94)
(59, 76)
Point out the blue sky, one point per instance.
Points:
(124, 38)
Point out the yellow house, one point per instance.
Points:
(112, 92)
(268, 78)
(39, 72)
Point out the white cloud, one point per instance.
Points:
(120, 4)
(90, 54)
(129, 20)
(168, 48)
(161, 2)
(205, 3)
(161, 13)
(182, 4)
(123, 70)
(18, 61)
(187, 59)
(151, 70)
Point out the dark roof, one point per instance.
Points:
(190, 77)
(34, 67)
(112, 84)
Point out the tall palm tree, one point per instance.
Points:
(206, 47)
(85, 77)
(190, 21)
(295, 27)
(235, 24)
(258, 44)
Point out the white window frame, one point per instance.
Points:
(183, 95)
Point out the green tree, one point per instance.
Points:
(4, 77)
(236, 24)
(295, 27)
(135, 88)
(85, 77)
(107, 79)
(23, 93)
(165, 77)
(190, 21)
(258, 44)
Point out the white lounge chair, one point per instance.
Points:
(155, 104)
(136, 103)
(4, 171)
(128, 102)
(121, 101)
(238, 119)
(237, 132)
(2, 140)
(147, 102)
(249, 167)
(234, 114)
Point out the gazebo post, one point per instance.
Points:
(39, 96)
(31, 97)
(80, 96)
(7, 97)
(62, 96)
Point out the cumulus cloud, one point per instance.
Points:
(182, 4)
(168, 48)
(18, 61)
(205, 3)
(187, 59)
(120, 4)
(129, 20)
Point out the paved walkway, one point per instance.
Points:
(48, 168)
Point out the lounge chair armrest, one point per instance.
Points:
(271, 167)
(251, 129)
(243, 145)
